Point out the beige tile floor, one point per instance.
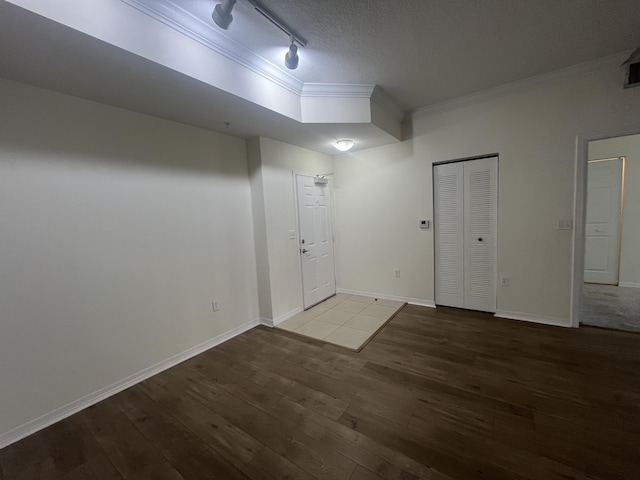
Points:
(345, 320)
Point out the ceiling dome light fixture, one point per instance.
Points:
(344, 144)
(222, 13)
(291, 59)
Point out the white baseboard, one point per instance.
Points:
(282, 318)
(69, 409)
(528, 317)
(382, 296)
(267, 322)
(629, 284)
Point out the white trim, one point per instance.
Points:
(282, 318)
(355, 90)
(60, 413)
(580, 70)
(529, 317)
(267, 322)
(382, 296)
(388, 104)
(579, 214)
(629, 284)
(294, 185)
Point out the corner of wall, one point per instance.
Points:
(254, 160)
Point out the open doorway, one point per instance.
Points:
(611, 290)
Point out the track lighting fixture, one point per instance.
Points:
(291, 59)
(222, 17)
(222, 13)
(344, 144)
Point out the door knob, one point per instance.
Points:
(304, 250)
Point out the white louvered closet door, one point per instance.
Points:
(480, 222)
(449, 224)
(465, 204)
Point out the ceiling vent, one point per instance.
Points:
(632, 70)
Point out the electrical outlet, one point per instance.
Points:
(216, 305)
(292, 234)
(397, 272)
(504, 281)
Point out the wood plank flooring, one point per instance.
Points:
(438, 394)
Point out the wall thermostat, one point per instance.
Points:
(424, 223)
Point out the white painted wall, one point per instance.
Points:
(382, 193)
(629, 147)
(380, 196)
(117, 231)
(260, 230)
(273, 165)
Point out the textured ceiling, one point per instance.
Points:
(426, 51)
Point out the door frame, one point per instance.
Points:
(580, 213)
(294, 173)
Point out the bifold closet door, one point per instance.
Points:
(466, 207)
(448, 206)
(480, 230)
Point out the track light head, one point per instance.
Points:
(222, 13)
(291, 59)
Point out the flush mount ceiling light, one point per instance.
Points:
(344, 144)
(222, 17)
(222, 13)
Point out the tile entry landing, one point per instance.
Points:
(348, 321)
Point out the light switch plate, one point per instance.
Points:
(565, 224)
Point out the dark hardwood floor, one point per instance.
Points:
(438, 394)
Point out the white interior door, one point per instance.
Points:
(604, 200)
(465, 222)
(316, 240)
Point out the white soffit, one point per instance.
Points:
(45, 53)
(165, 33)
(330, 102)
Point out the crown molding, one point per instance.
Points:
(181, 20)
(388, 103)
(588, 68)
(354, 90)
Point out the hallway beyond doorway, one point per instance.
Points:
(610, 306)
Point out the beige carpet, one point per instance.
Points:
(609, 306)
(348, 321)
